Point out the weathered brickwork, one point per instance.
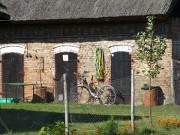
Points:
(86, 62)
(88, 39)
(59, 32)
(163, 80)
(32, 66)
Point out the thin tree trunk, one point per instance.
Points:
(150, 106)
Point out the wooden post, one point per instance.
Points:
(66, 104)
(1, 82)
(33, 93)
(132, 100)
(4, 86)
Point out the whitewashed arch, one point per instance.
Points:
(120, 48)
(12, 48)
(66, 47)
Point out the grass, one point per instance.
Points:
(28, 118)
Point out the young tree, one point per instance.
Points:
(150, 50)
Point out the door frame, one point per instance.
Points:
(5, 49)
(64, 48)
(121, 48)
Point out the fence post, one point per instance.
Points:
(66, 104)
(132, 100)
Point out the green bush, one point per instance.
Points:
(111, 128)
(148, 131)
(56, 128)
(144, 131)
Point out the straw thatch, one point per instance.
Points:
(75, 9)
(3, 12)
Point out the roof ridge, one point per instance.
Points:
(67, 9)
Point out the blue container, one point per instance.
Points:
(8, 100)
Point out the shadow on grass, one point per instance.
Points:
(18, 120)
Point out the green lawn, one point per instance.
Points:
(28, 118)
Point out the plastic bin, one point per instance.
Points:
(8, 100)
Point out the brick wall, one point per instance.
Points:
(58, 32)
(32, 67)
(163, 80)
(86, 58)
(86, 62)
(42, 38)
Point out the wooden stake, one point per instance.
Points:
(66, 105)
(132, 100)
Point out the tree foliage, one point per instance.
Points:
(151, 49)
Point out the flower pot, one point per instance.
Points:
(150, 97)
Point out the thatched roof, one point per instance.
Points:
(75, 9)
(3, 13)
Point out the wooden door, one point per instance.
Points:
(70, 67)
(176, 72)
(13, 72)
(121, 76)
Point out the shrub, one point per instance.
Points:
(56, 128)
(125, 130)
(99, 131)
(111, 128)
(147, 131)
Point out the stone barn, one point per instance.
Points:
(42, 39)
